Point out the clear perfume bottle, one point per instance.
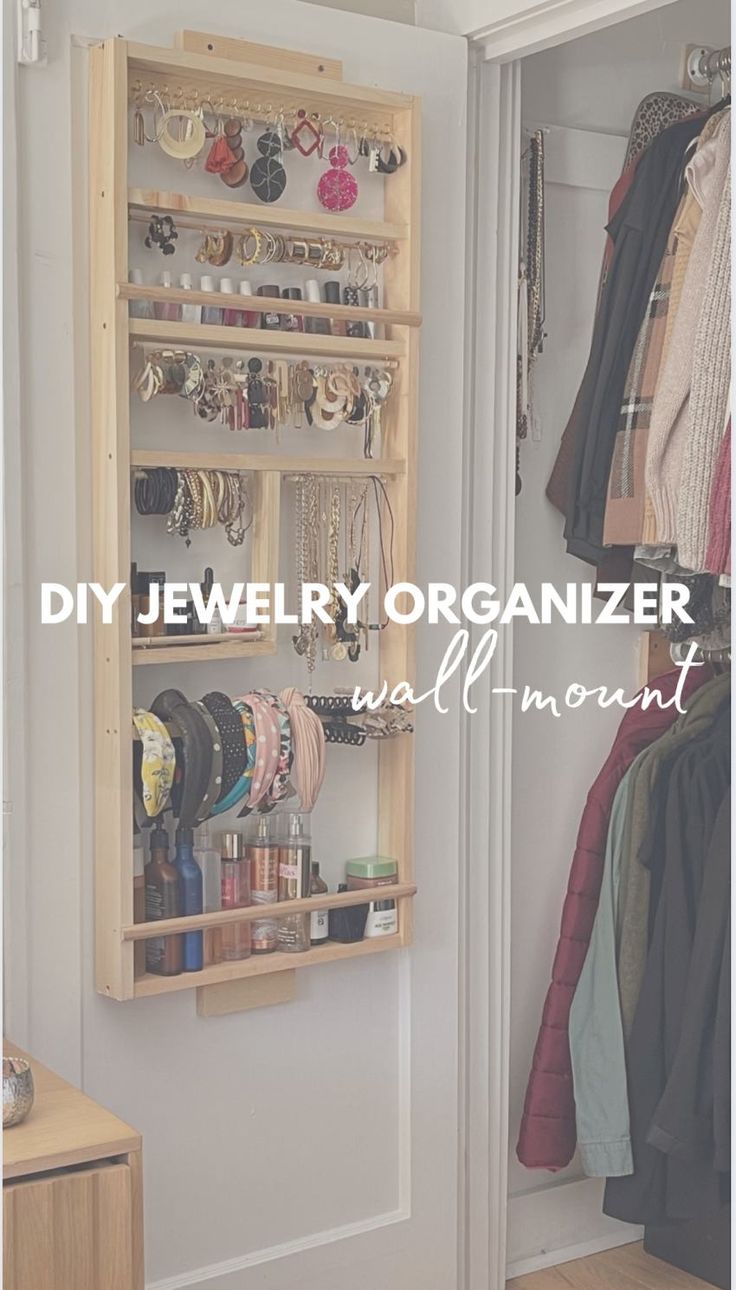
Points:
(295, 855)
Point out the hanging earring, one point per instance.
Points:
(305, 136)
(139, 125)
(337, 189)
(267, 175)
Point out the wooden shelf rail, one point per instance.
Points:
(211, 336)
(241, 215)
(148, 458)
(252, 913)
(270, 305)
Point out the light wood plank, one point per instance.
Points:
(246, 993)
(223, 76)
(210, 336)
(252, 913)
(245, 51)
(135, 1164)
(241, 215)
(282, 465)
(265, 305)
(113, 1229)
(261, 965)
(625, 1268)
(221, 650)
(110, 383)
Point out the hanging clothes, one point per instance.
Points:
(634, 903)
(547, 1134)
(683, 1181)
(671, 420)
(655, 113)
(718, 555)
(640, 231)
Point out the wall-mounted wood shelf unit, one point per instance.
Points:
(246, 73)
(242, 215)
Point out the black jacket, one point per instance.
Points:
(677, 1058)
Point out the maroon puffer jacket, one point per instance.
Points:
(547, 1136)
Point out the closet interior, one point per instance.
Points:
(254, 324)
(611, 1143)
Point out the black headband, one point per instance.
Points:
(189, 791)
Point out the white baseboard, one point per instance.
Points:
(553, 1258)
(215, 1271)
(559, 1222)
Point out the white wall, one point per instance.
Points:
(592, 84)
(278, 1132)
(394, 10)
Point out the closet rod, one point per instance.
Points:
(703, 65)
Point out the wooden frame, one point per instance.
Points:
(115, 66)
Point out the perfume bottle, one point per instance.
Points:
(208, 859)
(191, 896)
(263, 854)
(164, 954)
(139, 900)
(294, 879)
(210, 313)
(166, 310)
(235, 879)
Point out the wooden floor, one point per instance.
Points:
(627, 1268)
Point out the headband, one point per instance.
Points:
(215, 782)
(268, 746)
(308, 739)
(158, 761)
(230, 726)
(248, 735)
(191, 788)
(280, 786)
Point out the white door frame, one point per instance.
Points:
(494, 119)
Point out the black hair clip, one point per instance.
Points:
(162, 233)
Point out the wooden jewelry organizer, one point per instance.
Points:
(239, 70)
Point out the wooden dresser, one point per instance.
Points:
(72, 1193)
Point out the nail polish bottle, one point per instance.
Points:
(293, 322)
(192, 896)
(332, 297)
(189, 313)
(316, 326)
(355, 327)
(231, 317)
(139, 308)
(250, 318)
(166, 310)
(270, 321)
(210, 313)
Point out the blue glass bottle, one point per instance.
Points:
(192, 897)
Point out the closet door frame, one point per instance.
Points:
(494, 121)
